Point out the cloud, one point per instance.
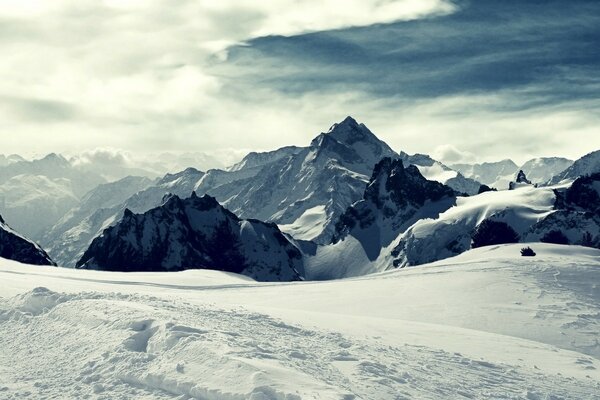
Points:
(495, 79)
(103, 156)
(449, 154)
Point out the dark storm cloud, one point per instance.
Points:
(548, 50)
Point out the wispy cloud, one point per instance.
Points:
(151, 76)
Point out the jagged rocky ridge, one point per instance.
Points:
(394, 198)
(303, 189)
(194, 233)
(16, 247)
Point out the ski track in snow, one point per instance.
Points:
(139, 351)
(187, 342)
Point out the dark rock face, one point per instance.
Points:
(194, 233)
(521, 178)
(486, 188)
(17, 248)
(583, 195)
(577, 216)
(491, 232)
(394, 197)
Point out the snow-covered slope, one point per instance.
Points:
(577, 215)
(487, 324)
(586, 165)
(495, 174)
(13, 246)
(194, 233)
(542, 169)
(256, 159)
(451, 233)
(70, 236)
(33, 203)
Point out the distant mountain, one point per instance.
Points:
(436, 171)
(495, 174)
(540, 170)
(586, 165)
(16, 247)
(70, 236)
(254, 159)
(6, 160)
(54, 166)
(33, 203)
(194, 233)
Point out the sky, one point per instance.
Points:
(461, 80)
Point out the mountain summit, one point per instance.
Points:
(194, 233)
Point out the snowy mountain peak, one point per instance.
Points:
(349, 132)
(404, 185)
(55, 159)
(194, 233)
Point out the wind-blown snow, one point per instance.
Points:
(309, 225)
(486, 324)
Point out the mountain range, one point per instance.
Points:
(345, 205)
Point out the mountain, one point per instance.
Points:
(54, 166)
(315, 185)
(436, 171)
(73, 233)
(71, 237)
(194, 233)
(6, 160)
(33, 203)
(495, 174)
(541, 170)
(16, 247)
(586, 165)
(303, 189)
(394, 199)
(577, 216)
(452, 232)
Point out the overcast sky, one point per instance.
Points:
(461, 80)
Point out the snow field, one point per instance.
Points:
(486, 324)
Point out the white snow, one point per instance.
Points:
(309, 225)
(486, 324)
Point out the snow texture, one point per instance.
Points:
(486, 324)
